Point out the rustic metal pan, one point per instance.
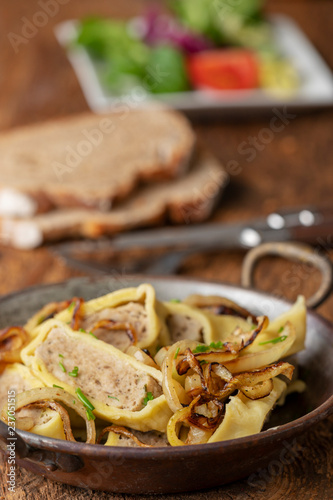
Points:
(135, 470)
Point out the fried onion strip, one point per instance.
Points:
(77, 312)
(44, 395)
(109, 324)
(247, 361)
(12, 340)
(122, 431)
(63, 413)
(219, 306)
(168, 366)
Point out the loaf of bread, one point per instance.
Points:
(190, 198)
(90, 161)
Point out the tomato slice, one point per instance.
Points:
(227, 69)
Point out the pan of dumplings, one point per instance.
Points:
(139, 384)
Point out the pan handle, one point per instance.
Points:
(47, 459)
(300, 253)
(7, 436)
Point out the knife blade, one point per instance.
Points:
(306, 224)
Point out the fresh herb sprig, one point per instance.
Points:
(87, 404)
(206, 348)
(149, 397)
(74, 372)
(275, 341)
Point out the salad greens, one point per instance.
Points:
(167, 70)
(124, 56)
(236, 22)
(153, 51)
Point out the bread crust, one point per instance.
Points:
(189, 199)
(94, 161)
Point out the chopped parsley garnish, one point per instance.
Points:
(74, 372)
(149, 397)
(60, 355)
(74, 402)
(275, 341)
(92, 334)
(203, 362)
(84, 400)
(205, 348)
(200, 348)
(62, 367)
(82, 330)
(216, 345)
(90, 414)
(177, 352)
(175, 301)
(113, 397)
(71, 306)
(281, 329)
(57, 386)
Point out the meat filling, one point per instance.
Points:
(153, 438)
(100, 375)
(11, 382)
(184, 327)
(15, 382)
(133, 314)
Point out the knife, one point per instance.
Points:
(306, 224)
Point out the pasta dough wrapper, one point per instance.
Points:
(151, 438)
(114, 382)
(244, 417)
(19, 378)
(184, 322)
(135, 306)
(297, 317)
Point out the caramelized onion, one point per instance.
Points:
(272, 353)
(219, 306)
(196, 435)
(206, 415)
(254, 377)
(141, 356)
(77, 312)
(258, 391)
(123, 432)
(45, 395)
(230, 350)
(175, 422)
(63, 413)
(12, 340)
(219, 356)
(47, 312)
(161, 355)
(251, 379)
(109, 324)
(168, 366)
(262, 324)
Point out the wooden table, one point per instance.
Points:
(295, 168)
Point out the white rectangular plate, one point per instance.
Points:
(316, 88)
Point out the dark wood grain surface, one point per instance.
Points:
(294, 168)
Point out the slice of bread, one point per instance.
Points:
(90, 160)
(191, 198)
